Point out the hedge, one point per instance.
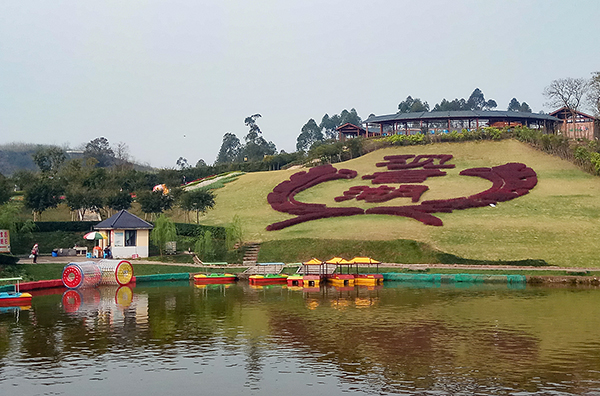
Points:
(194, 230)
(68, 226)
(8, 259)
(183, 229)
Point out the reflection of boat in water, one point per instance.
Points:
(370, 287)
(211, 286)
(14, 298)
(269, 286)
(214, 278)
(92, 299)
(268, 279)
(15, 309)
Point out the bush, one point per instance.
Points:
(195, 230)
(22, 243)
(67, 226)
(8, 259)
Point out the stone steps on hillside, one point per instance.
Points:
(251, 254)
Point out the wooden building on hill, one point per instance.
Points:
(448, 121)
(350, 131)
(577, 125)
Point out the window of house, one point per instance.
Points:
(118, 239)
(130, 237)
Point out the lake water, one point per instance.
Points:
(174, 338)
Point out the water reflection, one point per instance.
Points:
(236, 339)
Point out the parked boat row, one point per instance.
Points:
(297, 280)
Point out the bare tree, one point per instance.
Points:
(566, 92)
(593, 96)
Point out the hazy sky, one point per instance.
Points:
(169, 78)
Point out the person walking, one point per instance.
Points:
(35, 252)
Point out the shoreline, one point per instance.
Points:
(544, 276)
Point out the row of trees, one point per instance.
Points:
(312, 133)
(476, 101)
(84, 185)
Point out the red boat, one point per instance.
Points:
(16, 298)
(269, 279)
(204, 279)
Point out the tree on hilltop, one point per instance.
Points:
(49, 159)
(410, 105)
(99, 149)
(230, 149)
(309, 134)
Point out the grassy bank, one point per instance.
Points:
(35, 272)
(396, 251)
(555, 222)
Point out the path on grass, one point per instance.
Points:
(211, 181)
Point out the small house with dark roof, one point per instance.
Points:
(128, 235)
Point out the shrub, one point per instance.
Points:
(8, 259)
(194, 230)
(67, 226)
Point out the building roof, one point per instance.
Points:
(565, 112)
(350, 126)
(465, 114)
(123, 220)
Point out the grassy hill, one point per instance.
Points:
(557, 221)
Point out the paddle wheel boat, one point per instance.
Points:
(368, 279)
(203, 279)
(268, 279)
(341, 279)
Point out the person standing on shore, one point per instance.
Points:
(35, 252)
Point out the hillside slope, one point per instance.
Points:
(557, 221)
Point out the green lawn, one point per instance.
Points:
(556, 222)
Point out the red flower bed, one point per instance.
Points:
(382, 193)
(403, 176)
(419, 161)
(509, 181)
(282, 198)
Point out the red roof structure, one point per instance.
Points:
(349, 131)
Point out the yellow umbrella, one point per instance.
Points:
(313, 261)
(338, 260)
(364, 260)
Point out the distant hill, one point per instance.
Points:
(18, 156)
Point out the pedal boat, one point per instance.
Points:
(204, 279)
(16, 298)
(268, 279)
